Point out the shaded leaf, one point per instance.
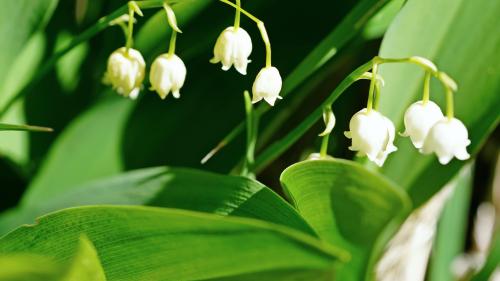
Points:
(19, 19)
(92, 131)
(167, 187)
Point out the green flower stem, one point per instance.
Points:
(260, 25)
(449, 85)
(427, 82)
(280, 146)
(267, 43)
(371, 93)
(376, 100)
(252, 128)
(92, 31)
(449, 103)
(173, 39)
(124, 28)
(237, 16)
(324, 146)
(130, 33)
(172, 22)
(414, 60)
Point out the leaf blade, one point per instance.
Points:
(180, 188)
(138, 243)
(329, 194)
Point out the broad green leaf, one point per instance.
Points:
(145, 243)
(28, 267)
(348, 206)
(19, 19)
(462, 38)
(167, 187)
(452, 228)
(68, 164)
(85, 264)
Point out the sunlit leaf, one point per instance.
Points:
(144, 243)
(348, 206)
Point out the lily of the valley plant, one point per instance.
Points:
(372, 133)
(126, 67)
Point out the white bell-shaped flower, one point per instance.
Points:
(125, 72)
(168, 74)
(233, 46)
(448, 138)
(372, 134)
(267, 85)
(419, 119)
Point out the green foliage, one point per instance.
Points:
(18, 21)
(166, 187)
(145, 243)
(348, 206)
(449, 242)
(117, 190)
(450, 36)
(491, 263)
(84, 265)
(27, 267)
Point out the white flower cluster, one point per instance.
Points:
(233, 47)
(126, 71)
(126, 68)
(430, 131)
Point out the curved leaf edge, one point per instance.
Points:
(389, 230)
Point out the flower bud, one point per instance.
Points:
(168, 73)
(267, 85)
(372, 135)
(448, 138)
(419, 119)
(233, 46)
(125, 72)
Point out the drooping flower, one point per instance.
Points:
(372, 135)
(448, 138)
(233, 46)
(419, 119)
(168, 73)
(267, 85)
(125, 72)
